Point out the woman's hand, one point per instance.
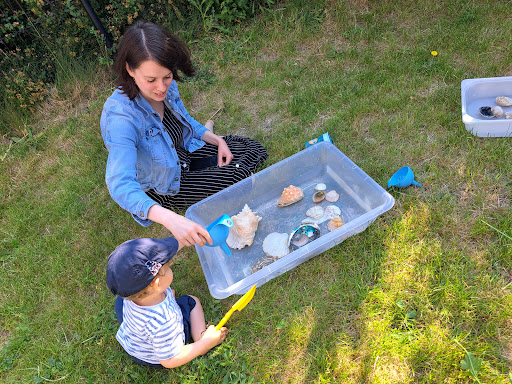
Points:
(186, 231)
(224, 155)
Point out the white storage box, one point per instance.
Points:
(476, 93)
(361, 201)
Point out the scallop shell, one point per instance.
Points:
(244, 228)
(508, 115)
(290, 195)
(262, 263)
(497, 111)
(320, 187)
(332, 196)
(315, 212)
(486, 112)
(318, 196)
(276, 244)
(334, 224)
(331, 212)
(504, 101)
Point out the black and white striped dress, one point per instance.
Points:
(200, 174)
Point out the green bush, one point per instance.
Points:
(34, 34)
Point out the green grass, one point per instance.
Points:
(405, 301)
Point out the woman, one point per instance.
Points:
(161, 159)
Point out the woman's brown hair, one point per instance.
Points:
(147, 41)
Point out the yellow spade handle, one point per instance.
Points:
(224, 319)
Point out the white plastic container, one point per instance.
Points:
(476, 93)
(361, 201)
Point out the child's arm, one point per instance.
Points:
(188, 352)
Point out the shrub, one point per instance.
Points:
(35, 33)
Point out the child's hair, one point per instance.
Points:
(147, 41)
(146, 291)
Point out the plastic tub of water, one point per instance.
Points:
(361, 201)
(476, 93)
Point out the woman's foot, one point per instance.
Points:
(209, 125)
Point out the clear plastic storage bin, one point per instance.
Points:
(476, 93)
(361, 201)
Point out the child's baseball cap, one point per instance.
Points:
(134, 264)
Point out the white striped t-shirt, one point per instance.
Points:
(152, 333)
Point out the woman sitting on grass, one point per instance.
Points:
(161, 159)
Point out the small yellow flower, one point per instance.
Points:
(433, 53)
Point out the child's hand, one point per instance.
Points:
(212, 337)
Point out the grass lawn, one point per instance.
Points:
(421, 296)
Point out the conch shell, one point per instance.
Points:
(276, 244)
(244, 228)
(334, 224)
(290, 195)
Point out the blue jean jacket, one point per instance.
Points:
(140, 156)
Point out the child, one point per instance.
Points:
(156, 329)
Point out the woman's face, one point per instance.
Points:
(152, 79)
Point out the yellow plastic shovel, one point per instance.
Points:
(238, 306)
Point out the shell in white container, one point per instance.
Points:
(244, 228)
(504, 101)
(276, 244)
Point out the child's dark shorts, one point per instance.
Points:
(187, 304)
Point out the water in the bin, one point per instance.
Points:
(239, 264)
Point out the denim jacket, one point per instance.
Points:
(141, 157)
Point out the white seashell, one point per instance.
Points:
(504, 101)
(497, 111)
(332, 196)
(331, 212)
(276, 244)
(318, 196)
(244, 228)
(508, 115)
(320, 187)
(334, 224)
(315, 212)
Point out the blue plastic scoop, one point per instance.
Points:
(403, 178)
(219, 231)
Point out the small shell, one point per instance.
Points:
(315, 212)
(331, 212)
(504, 101)
(290, 195)
(318, 196)
(320, 187)
(486, 112)
(334, 224)
(497, 111)
(508, 115)
(276, 244)
(332, 196)
(262, 263)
